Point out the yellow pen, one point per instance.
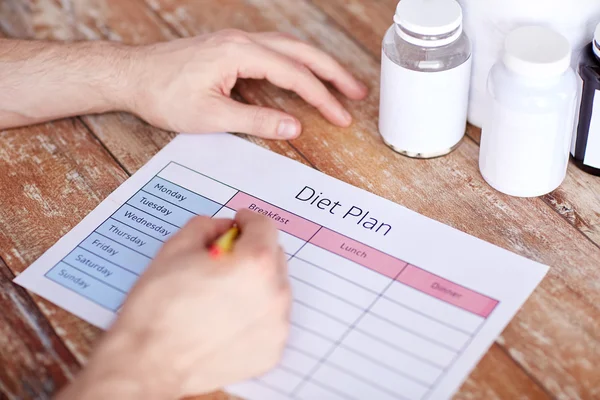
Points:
(224, 243)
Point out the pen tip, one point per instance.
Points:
(214, 252)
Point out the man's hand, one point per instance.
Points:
(193, 324)
(183, 85)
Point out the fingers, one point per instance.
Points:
(259, 241)
(258, 62)
(258, 235)
(319, 62)
(255, 120)
(198, 233)
(284, 280)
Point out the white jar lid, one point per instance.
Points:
(537, 51)
(596, 44)
(429, 17)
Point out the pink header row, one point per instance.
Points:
(368, 257)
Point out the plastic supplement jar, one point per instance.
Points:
(526, 135)
(425, 74)
(586, 139)
(487, 22)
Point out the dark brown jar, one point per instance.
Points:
(586, 140)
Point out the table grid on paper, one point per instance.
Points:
(363, 322)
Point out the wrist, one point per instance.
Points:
(115, 73)
(122, 367)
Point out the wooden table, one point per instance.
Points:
(52, 175)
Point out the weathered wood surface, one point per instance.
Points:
(25, 335)
(60, 171)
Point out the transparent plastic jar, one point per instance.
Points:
(425, 75)
(526, 135)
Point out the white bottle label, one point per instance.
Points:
(592, 150)
(525, 154)
(423, 112)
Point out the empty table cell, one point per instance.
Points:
(377, 374)
(115, 253)
(144, 222)
(447, 291)
(343, 267)
(196, 183)
(129, 237)
(325, 302)
(290, 243)
(284, 220)
(281, 379)
(161, 209)
(254, 389)
(226, 213)
(100, 269)
(318, 391)
(86, 286)
(406, 340)
(419, 323)
(310, 319)
(350, 386)
(298, 361)
(392, 357)
(309, 342)
(330, 283)
(448, 313)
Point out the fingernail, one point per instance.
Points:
(287, 129)
(363, 88)
(345, 116)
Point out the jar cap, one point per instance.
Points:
(596, 44)
(537, 51)
(429, 17)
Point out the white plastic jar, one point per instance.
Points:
(526, 135)
(425, 75)
(487, 22)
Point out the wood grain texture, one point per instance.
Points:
(34, 360)
(56, 174)
(554, 339)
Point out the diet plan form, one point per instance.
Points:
(387, 304)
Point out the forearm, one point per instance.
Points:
(42, 81)
(123, 367)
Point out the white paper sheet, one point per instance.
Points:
(388, 304)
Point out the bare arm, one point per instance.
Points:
(182, 85)
(192, 323)
(42, 81)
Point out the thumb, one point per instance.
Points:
(232, 116)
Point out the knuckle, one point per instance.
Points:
(234, 36)
(304, 78)
(195, 223)
(260, 121)
(262, 256)
(303, 69)
(288, 35)
(281, 35)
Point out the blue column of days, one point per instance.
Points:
(106, 264)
